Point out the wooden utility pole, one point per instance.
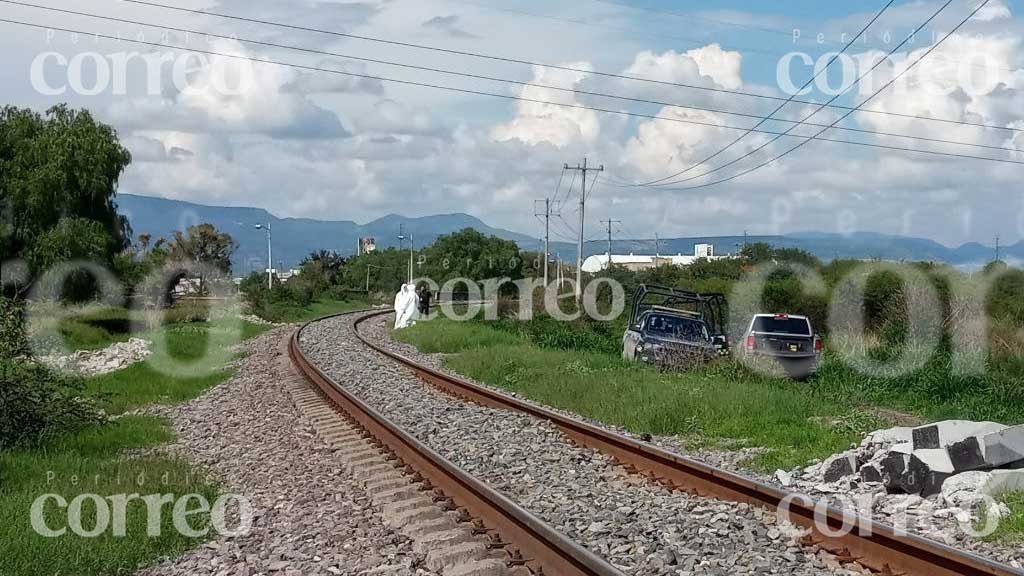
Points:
(579, 246)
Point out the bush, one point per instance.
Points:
(13, 342)
(36, 402)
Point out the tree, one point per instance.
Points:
(72, 239)
(470, 254)
(61, 165)
(203, 244)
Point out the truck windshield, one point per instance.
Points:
(676, 327)
(775, 325)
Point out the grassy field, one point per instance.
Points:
(718, 405)
(113, 459)
(293, 313)
(708, 408)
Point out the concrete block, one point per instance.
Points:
(896, 435)
(942, 434)
(927, 470)
(894, 466)
(1003, 481)
(871, 473)
(839, 466)
(1004, 447)
(967, 454)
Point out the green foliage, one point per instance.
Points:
(1011, 528)
(93, 461)
(13, 342)
(72, 239)
(470, 254)
(36, 402)
(61, 165)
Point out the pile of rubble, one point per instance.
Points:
(95, 362)
(952, 465)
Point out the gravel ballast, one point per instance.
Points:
(638, 526)
(920, 516)
(310, 517)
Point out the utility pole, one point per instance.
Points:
(657, 245)
(579, 246)
(997, 247)
(368, 266)
(547, 223)
(609, 222)
(412, 246)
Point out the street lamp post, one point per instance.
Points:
(270, 255)
(412, 247)
(368, 267)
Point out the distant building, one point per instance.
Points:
(366, 245)
(635, 262)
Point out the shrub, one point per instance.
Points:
(12, 329)
(36, 402)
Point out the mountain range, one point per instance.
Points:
(294, 238)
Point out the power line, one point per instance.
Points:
(552, 66)
(761, 118)
(814, 77)
(780, 32)
(502, 96)
(879, 91)
(834, 98)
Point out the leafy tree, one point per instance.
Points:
(203, 244)
(756, 252)
(72, 239)
(470, 254)
(57, 166)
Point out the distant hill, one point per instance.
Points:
(294, 238)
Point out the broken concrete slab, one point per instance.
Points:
(840, 466)
(896, 435)
(871, 472)
(991, 450)
(1004, 447)
(942, 434)
(893, 467)
(1002, 481)
(927, 470)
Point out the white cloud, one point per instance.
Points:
(536, 122)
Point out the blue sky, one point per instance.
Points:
(302, 143)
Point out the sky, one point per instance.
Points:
(227, 130)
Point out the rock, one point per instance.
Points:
(784, 478)
(965, 490)
(839, 466)
(947, 432)
(896, 435)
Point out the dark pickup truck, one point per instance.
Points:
(674, 328)
(788, 340)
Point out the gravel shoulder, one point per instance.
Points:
(310, 517)
(922, 517)
(638, 526)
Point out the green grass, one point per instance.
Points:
(90, 462)
(192, 358)
(707, 407)
(293, 313)
(1011, 528)
(188, 358)
(97, 329)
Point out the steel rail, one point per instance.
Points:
(853, 538)
(539, 544)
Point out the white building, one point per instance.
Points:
(635, 262)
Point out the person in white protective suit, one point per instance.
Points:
(409, 305)
(398, 305)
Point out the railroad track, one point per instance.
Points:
(870, 544)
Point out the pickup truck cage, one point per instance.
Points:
(709, 307)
